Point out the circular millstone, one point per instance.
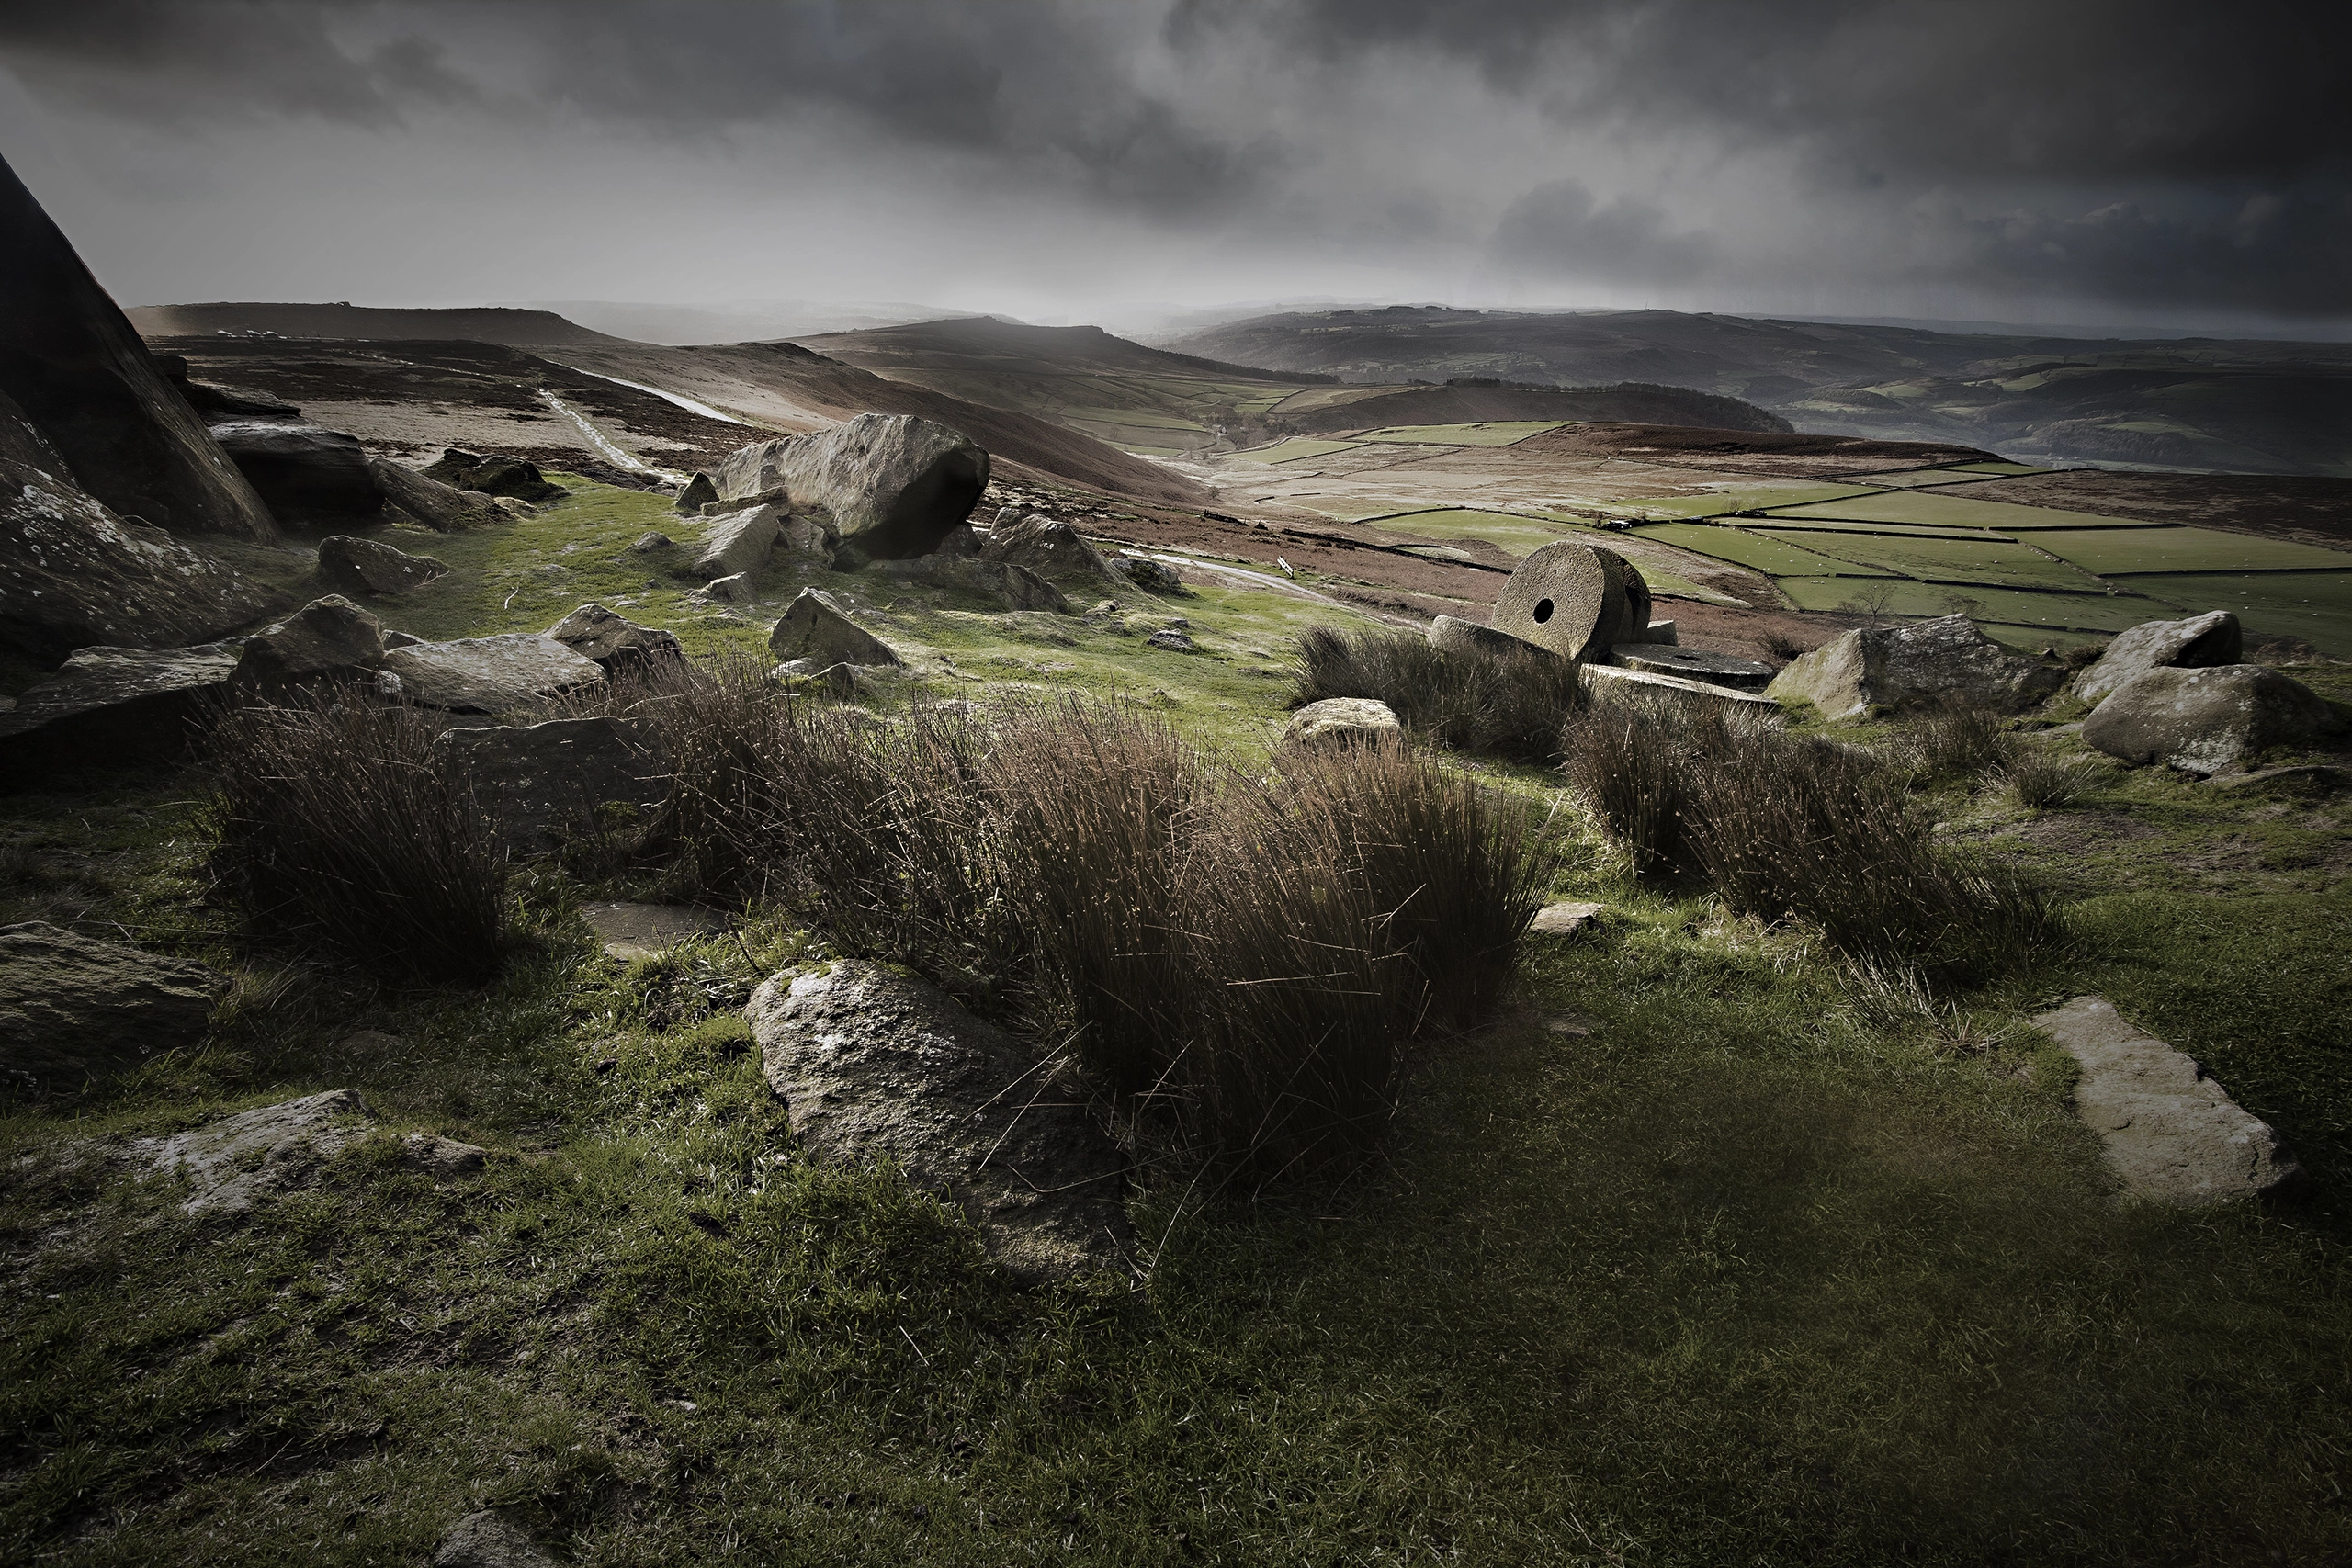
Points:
(1575, 599)
(1692, 665)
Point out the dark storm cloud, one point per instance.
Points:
(1558, 228)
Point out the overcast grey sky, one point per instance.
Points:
(2140, 161)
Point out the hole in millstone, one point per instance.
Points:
(1543, 610)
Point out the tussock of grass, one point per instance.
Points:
(1507, 703)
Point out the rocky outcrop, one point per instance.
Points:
(2202, 721)
(698, 493)
(872, 1064)
(326, 640)
(1343, 721)
(1151, 576)
(119, 705)
(1575, 599)
(489, 674)
(428, 503)
(234, 1164)
(1692, 665)
(2171, 1134)
(73, 574)
(211, 402)
(895, 485)
(494, 476)
(541, 783)
(350, 565)
(1015, 587)
(2199, 642)
(816, 626)
(305, 473)
(734, 543)
(1902, 669)
(73, 1009)
(78, 370)
(1054, 551)
(614, 642)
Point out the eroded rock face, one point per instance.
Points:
(1343, 721)
(428, 503)
(1015, 587)
(1575, 599)
(305, 473)
(734, 543)
(240, 1161)
(72, 1008)
(613, 641)
(2202, 721)
(72, 363)
(349, 565)
(2200, 642)
(73, 574)
(326, 640)
(1053, 550)
(108, 704)
(816, 626)
(1449, 634)
(2172, 1135)
(1913, 667)
(489, 674)
(895, 485)
(872, 1065)
(541, 783)
(1151, 576)
(700, 492)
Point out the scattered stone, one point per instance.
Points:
(630, 931)
(1913, 667)
(2173, 1134)
(443, 1160)
(647, 543)
(735, 590)
(2199, 642)
(489, 674)
(326, 640)
(1693, 663)
(490, 1540)
(1609, 681)
(237, 1162)
(895, 485)
(1575, 599)
(1052, 550)
(1664, 632)
(303, 472)
(508, 478)
(72, 1008)
(120, 704)
(73, 365)
(734, 543)
(699, 493)
(2201, 721)
(1567, 919)
(1151, 576)
(1343, 721)
(544, 783)
(1169, 638)
(816, 626)
(874, 1065)
(614, 642)
(428, 503)
(1450, 635)
(348, 565)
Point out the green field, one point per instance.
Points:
(1831, 526)
(1491, 433)
(1296, 447)
(1991, 561)
(1756, 552)
(1956, 512)
(2079, 612)
(2128, 551)
(1510, 531)
(1737, 498)
(2008, 469)
(2316, 606)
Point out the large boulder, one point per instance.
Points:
(1913, 667)
(734, 543)
(307, 474)
(541, 783)
(2199, 642)
(816, 626)
(614, 641)
(895, 485)
(489, 674)
(2201, 721)
(428, 503)
(73, 362)
(119, 704)
(72, 1008)
(1575, 599)
(1343, 721)
(73, 574)
(238, 1162)
(1054, 551)
(327, 639)
(872, 1064)
(494, 475)
(351, 565)
(211, 402)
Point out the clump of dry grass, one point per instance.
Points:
(1508, 703)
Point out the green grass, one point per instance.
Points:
(2112, 552)
(1295, 448)
(1954, 512)
(2082, 612)
(2316, 606)
(1993, 563)
(1758, 552)
(1486, 432)
(1723, 500)
(1782, 528)
(1521, 535)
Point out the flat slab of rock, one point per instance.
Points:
(1575, 599)
(1912, 667)
(304, 472)
(1692, 665)
(874, 1065)
(428, 503)
(631, 931)
(2172, 1135)
(325, 638)
(541, 783)
(816, 626)
(613, 641)
(2201, 721)
(1450, 635)
(1569, 919)
(240, 1160)
(894, 485)
(1640, 685)
(72, 1008)
(121, 704)
(1343, 721)
(351, 565)
(2199, 642)
(489, 674)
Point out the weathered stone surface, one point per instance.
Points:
(402, 640)
(959, 542)
(699, 493)
(736, 590)
(1609, 681)
(2199, 642)
(348, 565)
(211, 402)
(1151, 576)
(1913, 667)
(2307, 778)
(511, 477)
(895, 485)
(120, 704)
(816, 626)
(443, 1160)
(1015, 587)
(428, 503)
(489, 674)
(647, 543)
(1566, 920)
(490, 1540)
(73, 574)
(1692, 665)
(733, 543)
(1054, 551)
(630, 931)
(1170, 639)
(242, 1160)
(1575, 599)
(2172, 1135)
(2201, 721)
(303, 472)
(871, 1064)
(614, 641)
(1450, 635)
(326, 640)
(543, 783)
(1343, 721)
(73, 1009)
(82, 376)
(1664, 632)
